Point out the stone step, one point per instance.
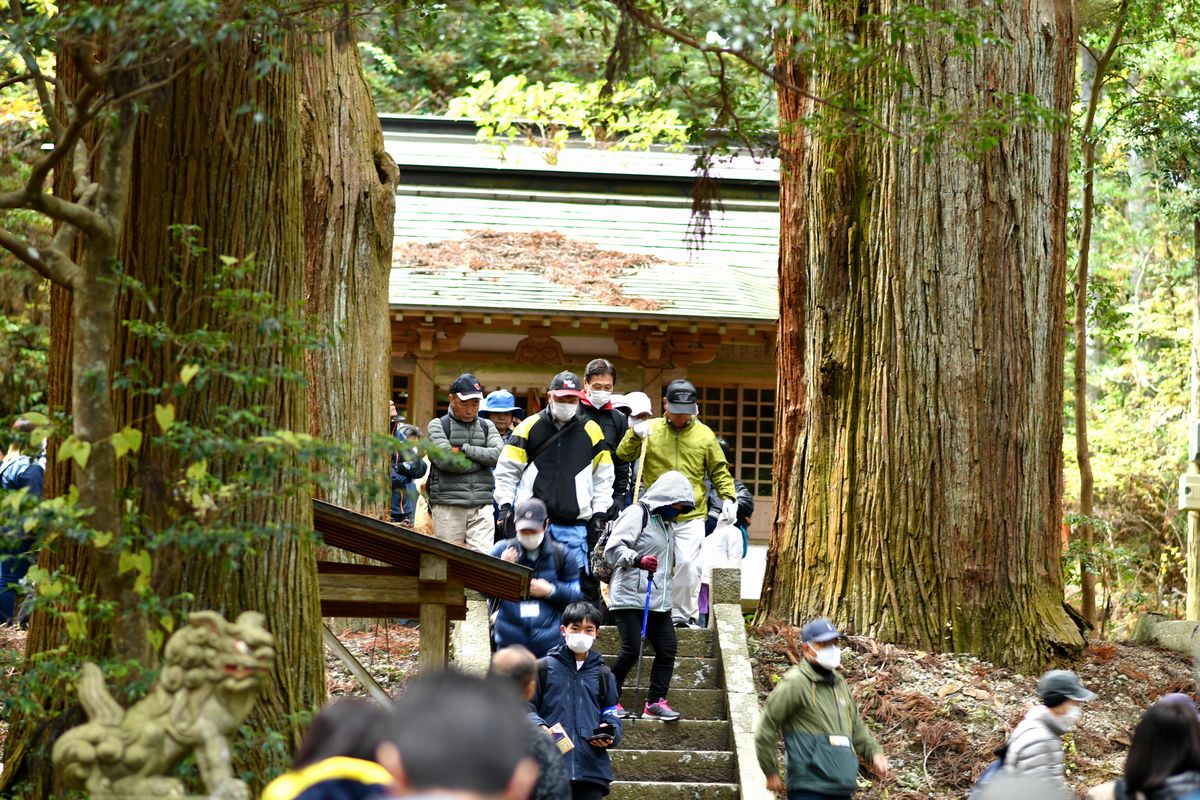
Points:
(690, 673)
(691, 703)
(690, 643)
(638, 790)
(684, 734)
(674, 766)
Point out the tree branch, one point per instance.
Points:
(650, 21)
(40, 83)
(4, 84)
(51, 265)
(64, 141)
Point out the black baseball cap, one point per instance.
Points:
(467, 387)
(681, 397)
(820, 630)
(566, 384)
(530, 515)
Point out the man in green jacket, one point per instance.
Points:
(823, 734)
(678, 441)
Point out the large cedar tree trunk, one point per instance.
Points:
(925, 498)
(349, 203)
(199, 162)
(236, 177)
(349, 184)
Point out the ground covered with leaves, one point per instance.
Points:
(388, 652)
(940, 717)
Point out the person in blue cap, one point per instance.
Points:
(824, 735)
(501, 408)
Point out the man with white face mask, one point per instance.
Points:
(824, 736)
(534, 622)
(560, 458)
(1035, 748)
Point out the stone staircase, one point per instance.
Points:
(693, 758)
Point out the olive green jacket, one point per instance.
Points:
(693, 451)
(818, 721)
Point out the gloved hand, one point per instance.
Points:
(648, 563)
(595, 525)
(642, 429)
(504, 517)
(728, 512)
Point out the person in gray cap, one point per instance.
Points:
(824, 735)
(1035, 748)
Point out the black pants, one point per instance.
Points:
(586, 790)
(660, 633)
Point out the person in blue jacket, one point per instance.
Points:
(535, 621)
(576, 690)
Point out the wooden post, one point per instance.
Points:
(423, 386)
(435, 629)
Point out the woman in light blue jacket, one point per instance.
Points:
(640, 548)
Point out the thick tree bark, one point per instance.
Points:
(199, 162)
(349, 207)
(236, 176)
(349, 186)
(930, 466)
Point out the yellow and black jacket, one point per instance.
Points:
(337, 778)
(573, 476)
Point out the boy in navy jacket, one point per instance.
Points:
(575, 689)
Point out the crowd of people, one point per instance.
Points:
(592, 489)
(542, 729)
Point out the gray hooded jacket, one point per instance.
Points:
(631, 539)
(1035, 748)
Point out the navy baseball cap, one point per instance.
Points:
(467, 387)
(530, 515)
(820, 630)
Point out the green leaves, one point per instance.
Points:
(126, 440)
(165, 416)
(75, 448)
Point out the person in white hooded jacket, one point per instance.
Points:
(1035, 748)
(639, 548)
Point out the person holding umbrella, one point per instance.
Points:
(640, 550)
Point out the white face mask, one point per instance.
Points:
(598, 398)
(579, 642)
(830, 657)
(1068, 718)
(531, 541)
(562, 412)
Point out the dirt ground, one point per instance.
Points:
(940, 717)
(389, 653)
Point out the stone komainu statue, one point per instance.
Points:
(212, 670)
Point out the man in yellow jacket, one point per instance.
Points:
(678, 441)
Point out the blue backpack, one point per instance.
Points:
(988, 774)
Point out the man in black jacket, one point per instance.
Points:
(599, 380)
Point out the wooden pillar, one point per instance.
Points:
(652, 385)
(423, 389)
(435, 629)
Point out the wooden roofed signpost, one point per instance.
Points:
(419, 577)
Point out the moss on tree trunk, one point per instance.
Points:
(921, 501)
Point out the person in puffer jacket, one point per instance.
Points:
(640, 548)
(534, 622)
(1035, 748)
(576, 690)
(1163, 762)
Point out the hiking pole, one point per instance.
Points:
(637, 682)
